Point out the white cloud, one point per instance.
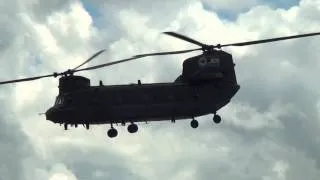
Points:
(268, 131)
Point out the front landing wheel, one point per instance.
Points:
(112, 133)
(132, 128)
(194, 123)
(216, 119)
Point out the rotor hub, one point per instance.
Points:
(207, 48)
(69, 72)
(210, 48)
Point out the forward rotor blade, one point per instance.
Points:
(133, 58)
(167, 53)
(185, 38)
(26, 79)
(269, 40)
(88, 60)
(107, 64)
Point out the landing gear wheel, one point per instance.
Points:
(194, 123)
(216, 119)
(112, 133)
(132, 128)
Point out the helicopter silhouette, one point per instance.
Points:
(207, 83)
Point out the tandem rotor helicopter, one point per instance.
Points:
(208, 82)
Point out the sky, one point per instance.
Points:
(269, 130)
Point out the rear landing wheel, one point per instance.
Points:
(216, 119)
(112, 132)
(194, 123)
(132, 128)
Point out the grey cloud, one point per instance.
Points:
(18, 156)
(42, 9)
(15, 147)
(95, 164)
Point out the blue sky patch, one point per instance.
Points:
(223, 13)
(232, 15)
(285, 4)
(92, 10)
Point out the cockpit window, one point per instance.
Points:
(59, 100)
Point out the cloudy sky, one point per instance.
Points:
(270, 130)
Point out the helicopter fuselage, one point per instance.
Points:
(140, 102)
(207, 83)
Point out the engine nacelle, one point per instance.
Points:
(209, 66)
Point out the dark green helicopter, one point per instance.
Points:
(208, 82)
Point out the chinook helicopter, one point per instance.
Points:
(208, 82)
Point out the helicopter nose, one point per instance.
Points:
(51, 114)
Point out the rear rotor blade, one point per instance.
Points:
(89, 59)
(269, 40)
(185, 38)
(167, 53)
(27, 79)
